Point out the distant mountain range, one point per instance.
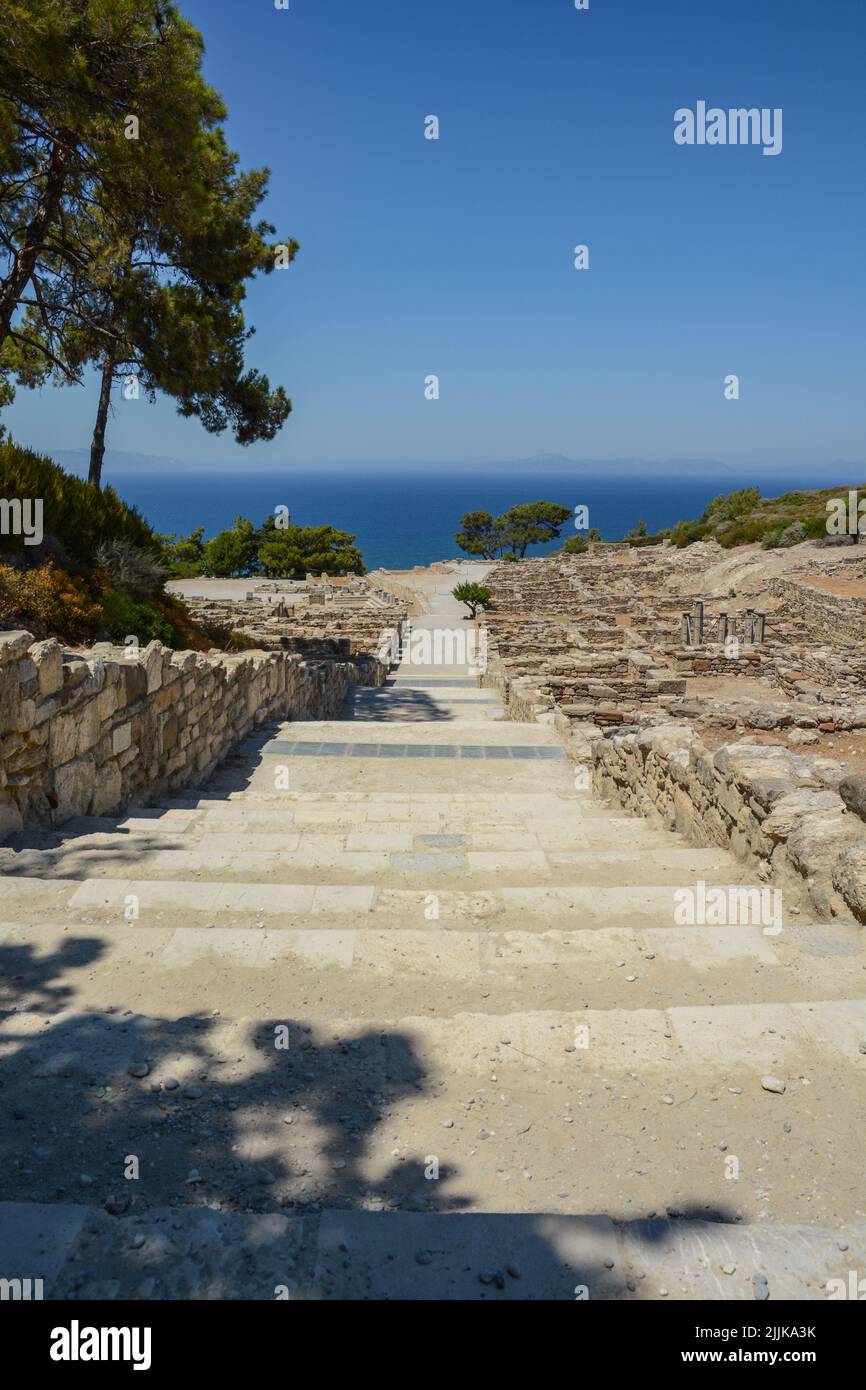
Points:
(77, 461)
(122, 464)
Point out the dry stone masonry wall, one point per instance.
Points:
(594, 644)
(84, 733)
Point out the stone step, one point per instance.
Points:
(389, 757)
(292, 904)
(618, 1112)
(393, 773)
(421, 712)
(568, 817)
(485, 971)
(408, 745)
(428, 861)
(196, 1253)
(391, 1008)
(504, 1257)
(252, 822)
(788, 1040)
(396, 692)
(343, 732)
(565, 801)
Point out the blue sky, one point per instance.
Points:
(456, 257)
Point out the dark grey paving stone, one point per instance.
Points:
(285, 748)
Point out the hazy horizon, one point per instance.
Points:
(126, 463)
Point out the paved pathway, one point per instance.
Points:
(390, 1009)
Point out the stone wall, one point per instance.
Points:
(839, 617)
(84, 733)
(779, 810)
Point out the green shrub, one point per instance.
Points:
(123, 616)
(47, 602)
(77, 518)
(793, 534)
(687, 532)
(575, 545)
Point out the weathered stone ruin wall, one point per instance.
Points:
(840, 617)
(796, 818)
(336, 630)
(593, 645)
(86, 733)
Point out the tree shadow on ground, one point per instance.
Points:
(388, 704)
(239, 1168)
(79, 853)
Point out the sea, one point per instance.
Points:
(403, 519)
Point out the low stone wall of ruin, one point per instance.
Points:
(776, 809)
(87, 733)
(837, 616)
(713, 659)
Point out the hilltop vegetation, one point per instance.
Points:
(277, 549)
(508, 536)
(87, 567)
(94, 569)
(742, 517)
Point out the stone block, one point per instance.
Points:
(849, 879)
(107, 790)
(121, 738)
(153, 658)
(75, 671)
(134, 677)
(853, 792)
(49, 663)
(14, 645)
(63, 739)
(74, 785)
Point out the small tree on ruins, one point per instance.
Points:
(475, 596)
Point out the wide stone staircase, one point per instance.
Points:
(392, 1008)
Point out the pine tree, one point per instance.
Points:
(127, 226)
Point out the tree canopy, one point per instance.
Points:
(281, 552)
(475, 596)
(127, 231)
(527, 523)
